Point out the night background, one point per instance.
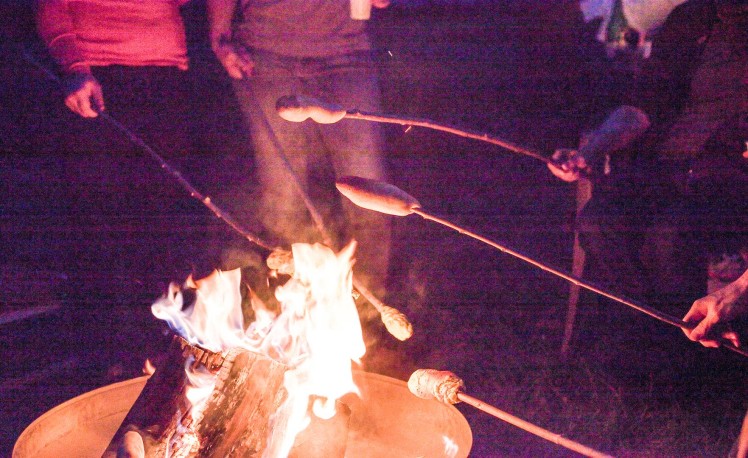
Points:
(527, 71)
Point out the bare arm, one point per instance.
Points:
(713, 313)
(622, 127)
(220, 15)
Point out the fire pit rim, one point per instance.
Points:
(364, 377)
(40, 420)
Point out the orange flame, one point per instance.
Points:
(200, 383)
(215, 320)
(317, 334)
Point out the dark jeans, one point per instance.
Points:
(317, 153)
(648, 233)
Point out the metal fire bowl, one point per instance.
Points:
(387, 421)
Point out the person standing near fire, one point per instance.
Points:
(92, 40)
(318, 49)
(668, 165)
(128, 59)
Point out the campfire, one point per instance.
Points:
(250, 391)
(282, 386)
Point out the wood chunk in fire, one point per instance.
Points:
(236, 419)
(248, 391)
(157, 412)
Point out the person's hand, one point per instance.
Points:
(713, 313)
(84, 94)
(380, 3)
(568, 165)
(237, 64)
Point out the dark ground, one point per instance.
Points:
(520, 70)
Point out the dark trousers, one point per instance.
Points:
(648, 233)
(316, 154)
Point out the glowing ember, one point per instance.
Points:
(148, 367)
(450, 447)
(317, 335)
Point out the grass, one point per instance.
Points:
(630, 387)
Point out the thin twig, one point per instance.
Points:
(193, 192)
(654, 313)
(418, 122)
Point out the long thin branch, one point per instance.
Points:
(395, 321)
(654, 313)
(193, 192)
(419, 122)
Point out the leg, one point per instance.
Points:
(357, 148)
(279, 146)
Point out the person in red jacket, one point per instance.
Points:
(128, 59)
(85, 37)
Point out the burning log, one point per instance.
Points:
(157, 411)
(247, 392)
(238, 418)
(396, 323)
(252, 391)
(241, 414)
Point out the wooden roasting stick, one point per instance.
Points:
(394, 321)
(444, 386)
(296, 108)
(391, 200)
(236, 419)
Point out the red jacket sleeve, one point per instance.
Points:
(57, 30)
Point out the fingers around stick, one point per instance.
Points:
(558, 171)
(733, 337)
